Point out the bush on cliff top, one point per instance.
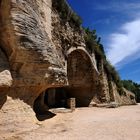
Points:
(66, 13)
(93, 43)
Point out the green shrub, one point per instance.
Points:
(66, 13)
(93, 43)
(132, 86)
(76, 19)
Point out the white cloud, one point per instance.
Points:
(124, 46)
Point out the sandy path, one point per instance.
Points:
(121, 123)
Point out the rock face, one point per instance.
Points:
(5, 75)
(39, 53)
(32, 63)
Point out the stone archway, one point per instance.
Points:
(82, 77)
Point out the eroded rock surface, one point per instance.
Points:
(32, 64)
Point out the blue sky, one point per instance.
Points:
(118, 24)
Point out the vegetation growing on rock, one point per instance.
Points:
(94, 46)
(132, 86)
(66, 13)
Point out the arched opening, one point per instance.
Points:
(52, 98)
(81, 77)
(82, 86)
(56, 97)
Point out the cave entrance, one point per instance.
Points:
(56, 97)
(41, 109)
(81, 78)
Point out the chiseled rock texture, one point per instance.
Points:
(38, 50)
(29, 60)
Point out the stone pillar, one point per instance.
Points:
(71, 103)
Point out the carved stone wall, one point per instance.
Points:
(82, 77)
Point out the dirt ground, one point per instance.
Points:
(121, 123)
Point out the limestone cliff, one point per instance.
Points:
(40, 51)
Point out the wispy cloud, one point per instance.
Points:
(124, 46)
(118, 6)
(130, 9)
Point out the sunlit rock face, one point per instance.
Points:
(38, 51)
(26, 38)
(29, 60)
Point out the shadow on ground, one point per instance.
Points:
(45, 115)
